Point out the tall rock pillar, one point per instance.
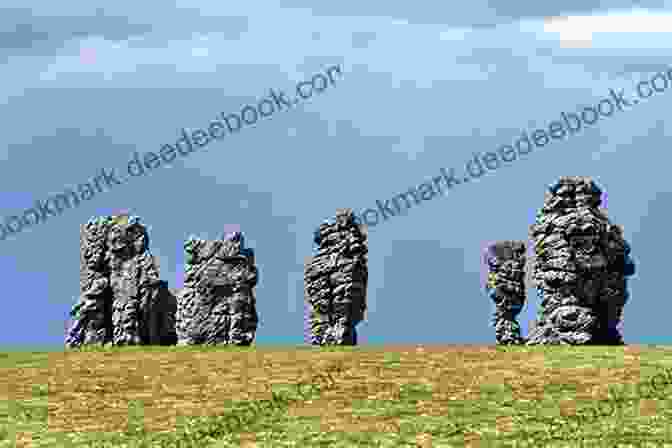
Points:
(506, 288)
(336, 280)
(581, 264)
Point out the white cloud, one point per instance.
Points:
(576, 31)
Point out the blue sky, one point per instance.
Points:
(423, 87)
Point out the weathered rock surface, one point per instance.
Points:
(615, 292)
(506, 288)
(335, 280)
(217, 304)
(581, 266)
(122, 299)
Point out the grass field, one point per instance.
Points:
(386, 396)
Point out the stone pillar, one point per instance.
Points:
(217, 304)
(506, 288)
(120, 302)
(336, 279)
(575, 264)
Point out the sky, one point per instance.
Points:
(423, 87)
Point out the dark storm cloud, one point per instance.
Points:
(22, 32)
(20, 29)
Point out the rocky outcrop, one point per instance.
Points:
(580, 272)
(506, 288)
(217, 304)
(581, 269)
(336, 280)
(576, 248)
(122, 299)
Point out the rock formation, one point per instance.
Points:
(581, 267)
(122, 299)
(336, 279)
(506, 288)
(217, 304)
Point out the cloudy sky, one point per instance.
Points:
(423, 87)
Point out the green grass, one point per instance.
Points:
(434, 396)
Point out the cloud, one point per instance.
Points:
(578, 31)
(476, 14)
(22, 29)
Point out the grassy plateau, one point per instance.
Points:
(366, 396)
